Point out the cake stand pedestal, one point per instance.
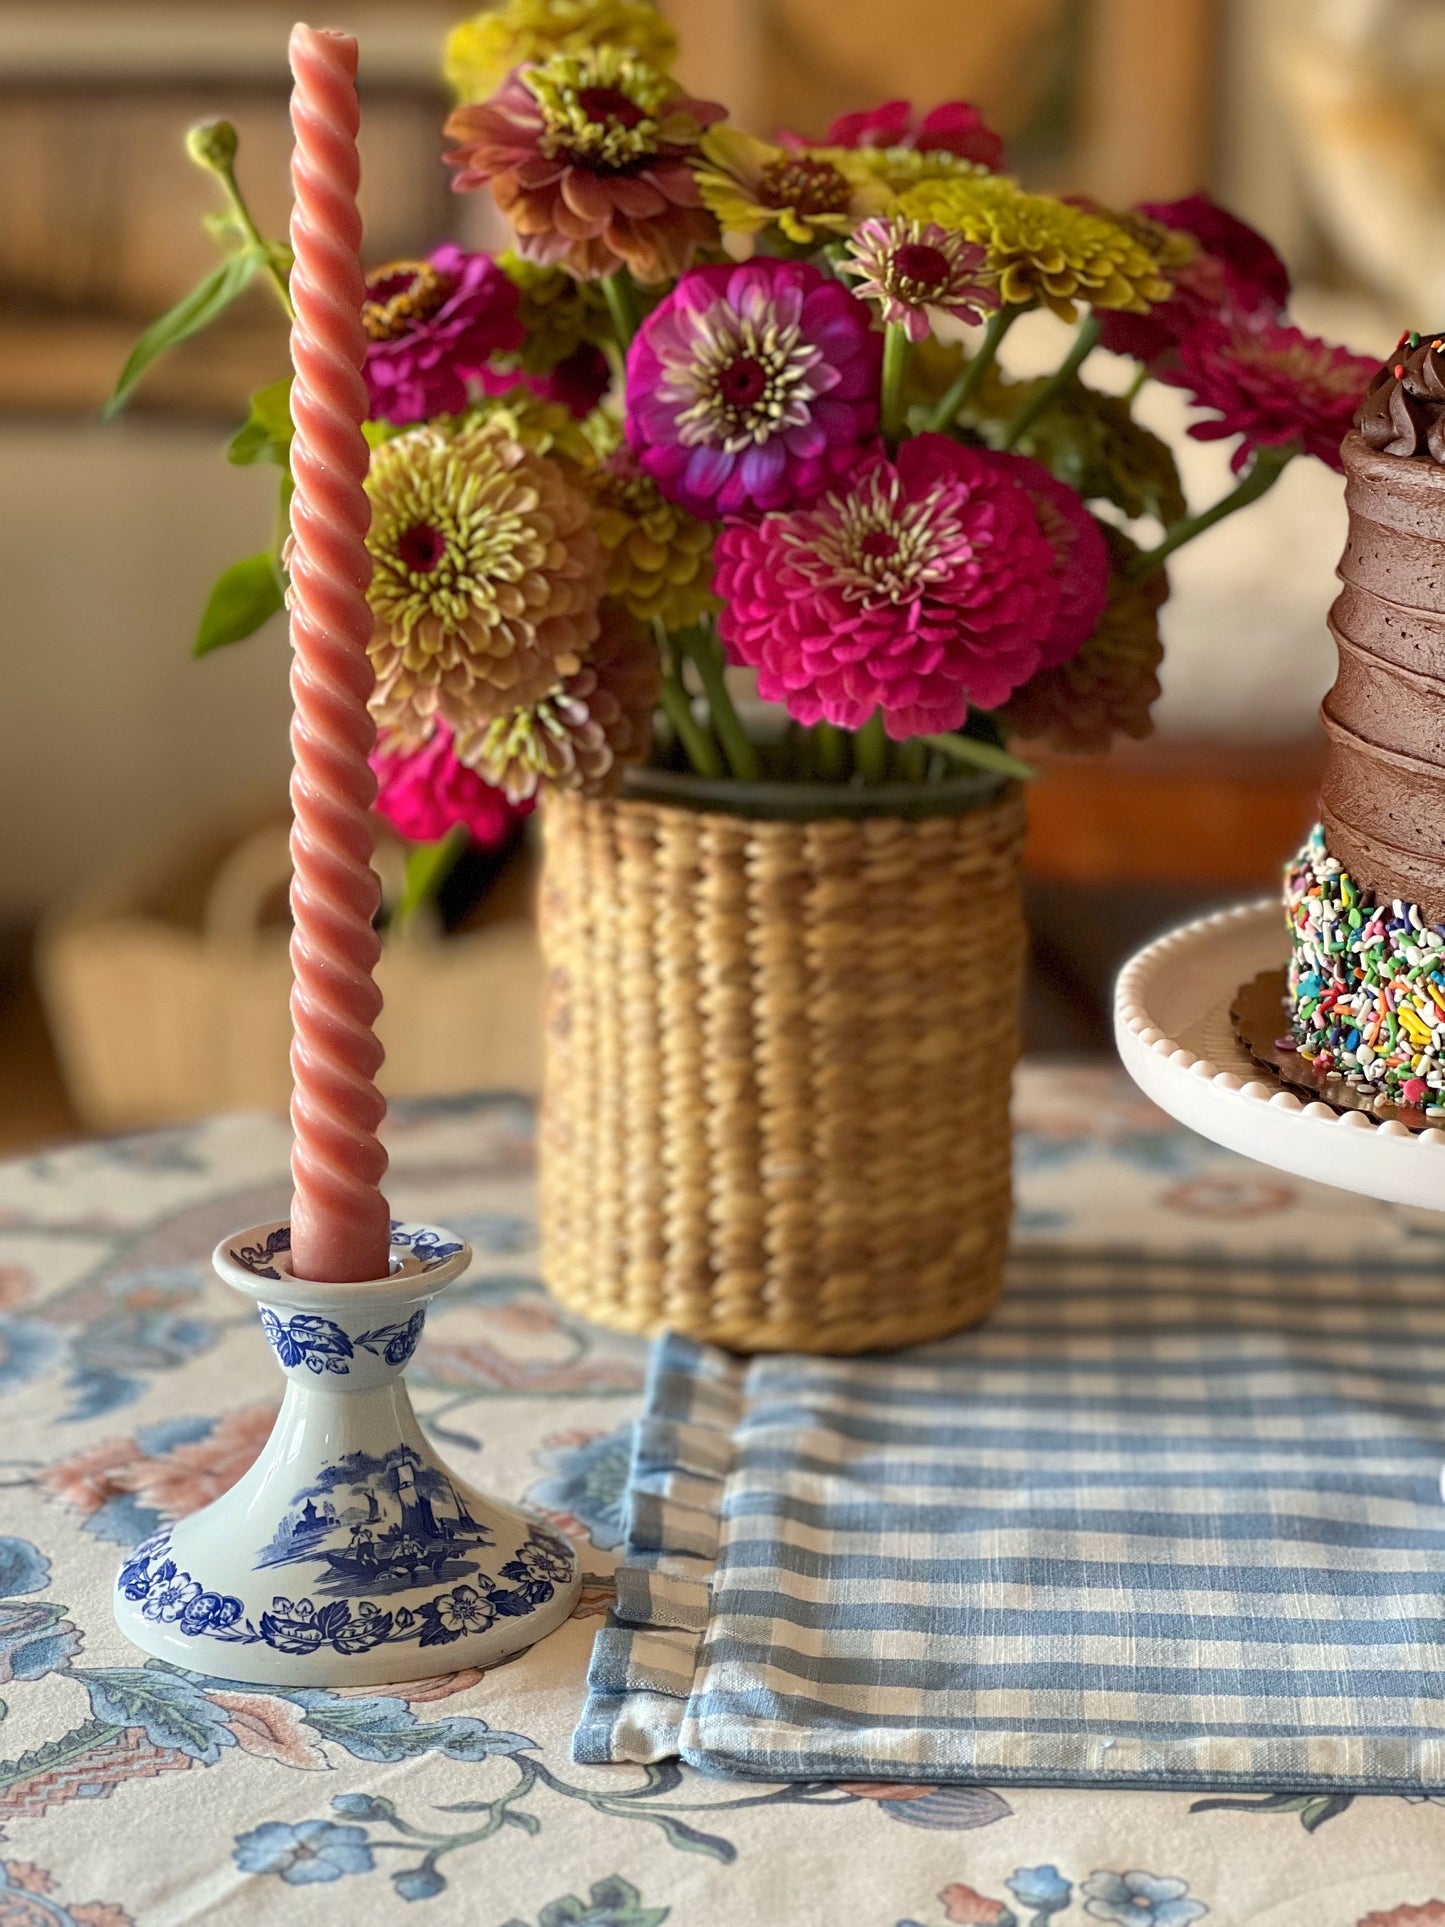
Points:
(1176, 1037)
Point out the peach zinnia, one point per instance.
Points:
(588, 157)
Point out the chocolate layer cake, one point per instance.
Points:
(1366, 895)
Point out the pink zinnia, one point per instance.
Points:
(1234, 268)
(1272, 385)
(423, 791)
(926, 588)
(430, 326)
(955, 128)
(752, 387)
(1081, 558)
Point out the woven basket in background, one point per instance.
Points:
(778, 1057)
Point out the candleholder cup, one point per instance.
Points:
(349, 1554)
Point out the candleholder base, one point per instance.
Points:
(349, 1555)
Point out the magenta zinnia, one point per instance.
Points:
(752, 387)
(430, 325)
(423, 791)
(1081, 558)
(587, 156)
(909, 267)
(956, 128)
(925, 589)
(1273, 386)
(1234, 267)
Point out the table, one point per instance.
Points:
(135, 1388)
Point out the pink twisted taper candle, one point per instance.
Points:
(340, 1229)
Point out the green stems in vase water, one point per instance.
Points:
(1264, 471)
(870, 750)
(1085, 341)
(966, 383)
(704, 649)
(701, 750)
(831, 752)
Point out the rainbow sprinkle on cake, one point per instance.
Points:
(1366, 983)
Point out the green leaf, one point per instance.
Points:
(67, 1747)
(266, 436)
(192, 313)
(172, 1712)
(246, 595)
(1089, 440)
(986, 756)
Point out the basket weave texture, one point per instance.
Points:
(777, 1070)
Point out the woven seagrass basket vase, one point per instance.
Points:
(778, 1057)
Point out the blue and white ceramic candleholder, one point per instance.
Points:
(349, 1555)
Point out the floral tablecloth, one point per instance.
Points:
(135, 1387)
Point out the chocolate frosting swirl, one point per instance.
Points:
(1403, 412)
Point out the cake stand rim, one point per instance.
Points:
(1257, 1114)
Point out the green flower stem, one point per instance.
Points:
(224, 169)
(704, 650)
(895, 366)
(911, 759)
(965, 385)
(1085, 341)
(1264, 471)
(621, 293)
(1131, 393)
(831, 752)
(980, 755)
(701, 750)
(870, 749)
(427, 868)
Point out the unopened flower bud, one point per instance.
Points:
(213, 145)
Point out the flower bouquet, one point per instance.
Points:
(709, 513)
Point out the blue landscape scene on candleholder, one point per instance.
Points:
(378, 1525)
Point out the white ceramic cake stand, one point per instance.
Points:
(1176, 1037)
(1174, 1032)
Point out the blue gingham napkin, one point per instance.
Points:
(1161, 1520)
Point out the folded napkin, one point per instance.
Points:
(1161, 1520)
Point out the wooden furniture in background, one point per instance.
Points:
(1173, 813)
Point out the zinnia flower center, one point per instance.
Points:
(402, 295)
(602, 104)
(925, 266)
(741, 380)
(875, 548)
(599, 110)
(807, 186)
(420, 548)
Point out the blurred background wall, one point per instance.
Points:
(1323, 120)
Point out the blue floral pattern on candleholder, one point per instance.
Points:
(259, 1259)
(424, 1241)
(306, 1338)
(152, 1580)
